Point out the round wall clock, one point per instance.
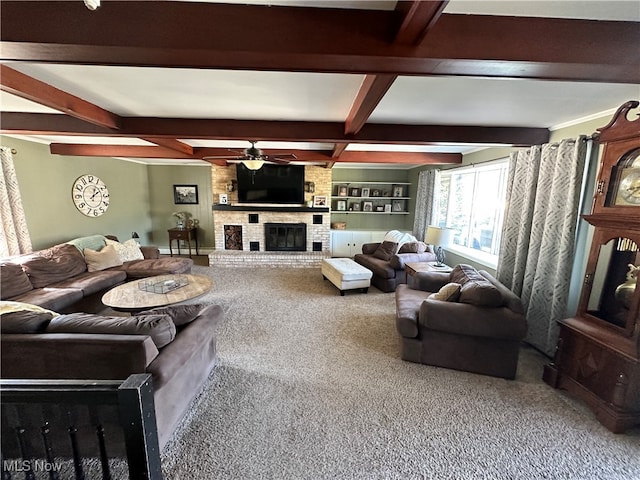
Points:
(90, 195)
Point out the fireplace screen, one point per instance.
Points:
(285, 237)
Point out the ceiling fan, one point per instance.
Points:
(253, 158)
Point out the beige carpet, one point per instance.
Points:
(310, 386)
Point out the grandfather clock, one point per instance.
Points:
(597, 355)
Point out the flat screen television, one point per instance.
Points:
(271, 184)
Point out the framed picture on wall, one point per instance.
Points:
(185, 194)
(365, 192)
(320, 201)
(367, 206)
(342, 205)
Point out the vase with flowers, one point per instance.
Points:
(181, 217)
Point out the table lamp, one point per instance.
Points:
(438, 237)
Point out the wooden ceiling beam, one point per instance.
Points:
(317, 40)
(170, 143)
(29, 88)
(314, 156)
(371, 91)
(321, 132)
(417, 18)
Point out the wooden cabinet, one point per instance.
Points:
(597, 357)
(346, 243)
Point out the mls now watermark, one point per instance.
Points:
(31, 466)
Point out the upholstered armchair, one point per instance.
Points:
(464, 320)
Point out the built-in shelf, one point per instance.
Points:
(272, 208)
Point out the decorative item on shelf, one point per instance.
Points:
(375, 193)
(341, 205)
(355, 206)
(365, 192)
(320, 201)
(223, 199)
(624, 291)
(342, 191)
(232, 185)
(387, 207)
(397, 191)
(182, 217)
(309, 187)
(438, 237)
(367, 206)
(397, 206)
(339, 225)
(379, 208)
(355, 192)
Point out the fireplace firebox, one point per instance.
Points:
(285, 237)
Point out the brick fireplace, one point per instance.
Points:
(241, 232)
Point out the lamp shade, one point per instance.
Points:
(253, 164)
(438, 236)
(135, 235)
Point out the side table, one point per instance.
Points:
(186, 234)
(413, 268)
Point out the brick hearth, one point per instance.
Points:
(242, 258)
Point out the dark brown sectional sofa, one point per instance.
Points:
(57, 278)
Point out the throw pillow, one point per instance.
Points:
(105, 258)
(19, 317)
(386, 250)
(413, 247)
(448, 293)
(159, 327)
(399, 238)
(180, 314)
(127, 251)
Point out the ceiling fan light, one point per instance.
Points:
(253, 164)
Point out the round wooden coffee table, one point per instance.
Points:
(135, 296)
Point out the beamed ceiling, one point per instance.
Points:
(335, 83)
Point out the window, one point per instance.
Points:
(471, 201)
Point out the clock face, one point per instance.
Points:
(629, 189)
(90, 195)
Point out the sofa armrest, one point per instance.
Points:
(150, 251)
(75, 355)
(193, 347)
(399, 260)
(370, 248)
(430, 281)
(471, 320)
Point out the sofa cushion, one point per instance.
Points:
(386, 250)
(380, 268)
(160, 266)
(448, 293)
(92, 282)
(56, 299)
(180, 314)
(127, 251)
(53, 264)
(94, 242)
(159, 327)
(19, 317)
(476, 290)
(13, 280)
(413, 247)
(101, 260)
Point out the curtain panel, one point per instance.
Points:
(14, 234)
(427, 180)
(539, 233)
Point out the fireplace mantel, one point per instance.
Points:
(269, 208)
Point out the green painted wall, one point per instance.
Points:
(162, 178)
(45, 184)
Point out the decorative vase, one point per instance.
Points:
(180, 224)
(624, 291)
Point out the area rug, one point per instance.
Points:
(310, 385)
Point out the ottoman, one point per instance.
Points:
(346, 274)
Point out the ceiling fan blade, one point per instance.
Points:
(284, 156)
(279, 161)
(223, 157)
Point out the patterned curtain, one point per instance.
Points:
(424, 202)
(538, 236)
(14, 235)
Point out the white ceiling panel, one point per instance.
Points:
(12, 103)
(621, 10)
(494, 102)
(195, 93)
